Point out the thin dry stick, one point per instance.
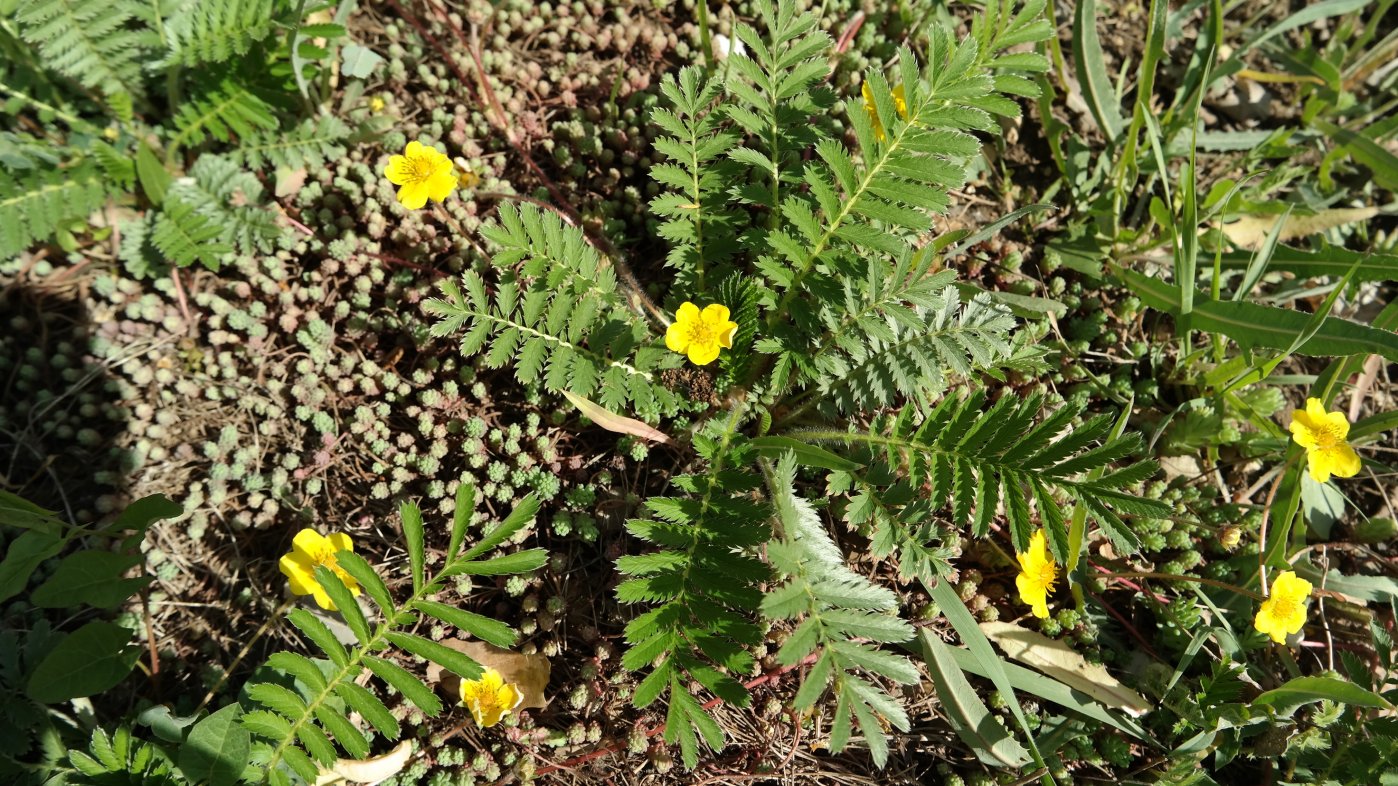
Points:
(228, 672)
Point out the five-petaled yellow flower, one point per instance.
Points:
(699, 334)
(490, 698)
(1284, 611)
(1323, 435)
(309, 549)
(1037, 573)
(421, 172)
(898, 102)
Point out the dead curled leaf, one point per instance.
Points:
(1057, 660)
(1252, 231)
(613, 422)
(529, 673)
(375, 770)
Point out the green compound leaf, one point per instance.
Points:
(460, 663)
(405, 683)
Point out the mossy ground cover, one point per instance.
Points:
(282, 371)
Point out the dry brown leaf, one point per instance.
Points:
(1251, 231)
(1057, 660)
(613, 422)
(529, 673)
(375, 770)
(289, 181)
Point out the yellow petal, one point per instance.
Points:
(1318, 466)
(1315, 408)
(725, 338)
(715, 314)
(398, 170)
(676, 338)
(703, 354)
(413, 195)
(1301, 430)
(299, 573)
(900, 101)
(339, 541)
(308, 543)
(441, 184)
(1288, 583)
(1337, 423)
(1264, 622)
(414, 149)
(322, 598)
(688, 312)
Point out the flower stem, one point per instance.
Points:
(1179, 577)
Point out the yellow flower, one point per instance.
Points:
(1037, 574)
(1284, 611)
(309, 549)
(469, 179)
(376, 105)
(489, 698)
(700, 334)
(1323, 434)
(898, 102)
(421, 172)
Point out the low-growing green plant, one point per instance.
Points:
(50, 665)
(828, 261)
(168, 108)
(293, 726)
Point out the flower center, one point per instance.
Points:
(419, 168)
(1327, 437)
(700, 333)
(1047, 574)
(325, 555)
(1283, 608)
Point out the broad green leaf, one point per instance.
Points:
(88, 661)
(1253, 325)
(217, 750)
(1092, 71)
(1048, 689)
(960, 618)
(26, 553)
(968, 715)
(1328, 261)
(1061, 662)
(16, 511)
(90, 577)
(146, 511)
(1304, 690)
